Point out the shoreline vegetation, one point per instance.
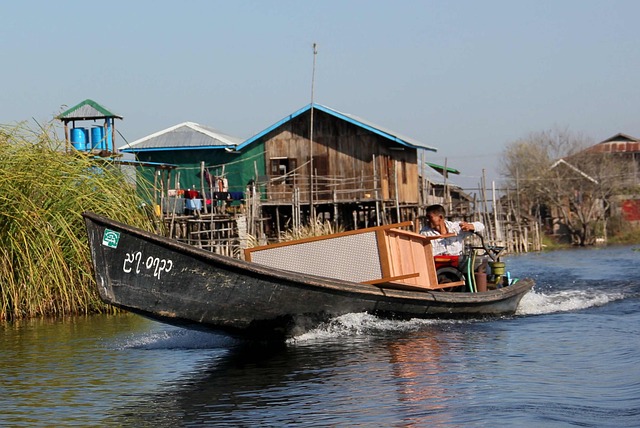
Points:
(45, 263)
(629, 236)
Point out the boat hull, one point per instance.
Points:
(180, 284)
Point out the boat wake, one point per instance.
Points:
(364, 324)
(535, 303)
(361, 324)
(177, 338)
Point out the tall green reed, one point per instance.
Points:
(45, 262)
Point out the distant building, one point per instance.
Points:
(619, 143)
(626, 205)
(622, 145)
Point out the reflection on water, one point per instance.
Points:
(295, 384)
(417, 364)
(49, 371)
(69, 371)
(568, 358)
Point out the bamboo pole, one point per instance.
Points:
(447, 196)
(335, 209)
(202, 188)
(155, 192)
(395, 179)
(375, 187)
(175, 203)
(252, 217)
(498, 230)
(113, 135)
(66, 137)
(224, 189)
(296, 208)
(421, 184)
(485, 206)
(311, 207)
(162, 198)
(278, 220)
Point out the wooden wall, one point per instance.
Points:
(343, 158)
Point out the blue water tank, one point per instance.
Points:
(79, 138)
(97, 138)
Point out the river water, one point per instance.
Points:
(570, 357)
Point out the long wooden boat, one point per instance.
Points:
(179, 284)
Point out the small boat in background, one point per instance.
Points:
(285, 289)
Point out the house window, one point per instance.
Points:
(283, 167)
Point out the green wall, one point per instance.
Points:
(239, 168)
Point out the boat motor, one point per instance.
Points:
(450, 268)
(498, 276)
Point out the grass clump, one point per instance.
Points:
(45, 262)
(631, 236)
(622, 231)
(318, 228)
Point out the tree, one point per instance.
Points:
(552, 169)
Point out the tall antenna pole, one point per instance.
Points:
(313, 78)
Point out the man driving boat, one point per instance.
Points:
(453, 233)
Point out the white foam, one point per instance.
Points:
(535, 303)
(176, 338)
(358, 324)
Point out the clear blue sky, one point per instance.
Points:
(467, 77)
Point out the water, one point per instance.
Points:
(570, 357)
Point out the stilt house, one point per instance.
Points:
(321, 162)
(315, 162)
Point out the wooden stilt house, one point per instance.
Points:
(320, 162)
(316, 163)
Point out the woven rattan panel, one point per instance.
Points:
(350, 258)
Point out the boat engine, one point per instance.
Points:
(451, 268)
(448, 268)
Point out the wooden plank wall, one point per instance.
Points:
(343, 160)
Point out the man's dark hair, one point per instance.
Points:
(436, 209)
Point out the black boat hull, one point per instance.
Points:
(180, 284)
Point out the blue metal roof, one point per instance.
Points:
(376, 129)
(174, 149)
(184, 136)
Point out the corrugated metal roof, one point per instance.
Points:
(184, 136)
(86, 110)
(384, 132)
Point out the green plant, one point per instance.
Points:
(45, 263)
(551, 243)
